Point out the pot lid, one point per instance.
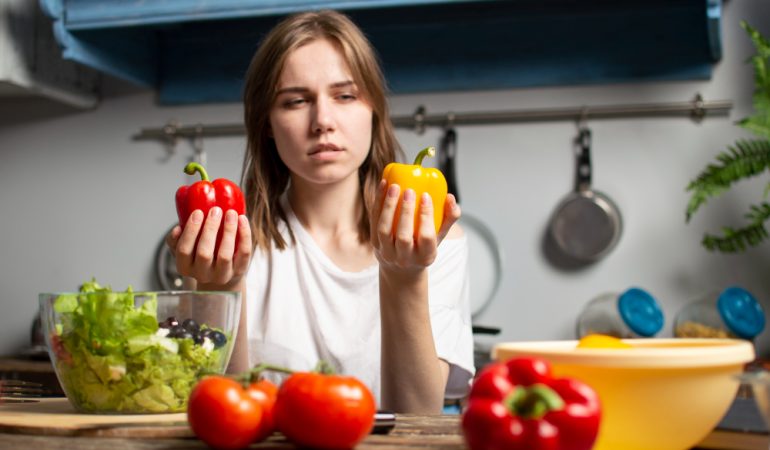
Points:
(640, 311)
(741, 312)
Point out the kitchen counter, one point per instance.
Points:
(411, 432)
(38, 371)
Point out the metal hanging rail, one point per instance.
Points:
(697, 110)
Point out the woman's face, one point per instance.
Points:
(322, 126)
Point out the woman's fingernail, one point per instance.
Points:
(215, 212)
(393, 190)
(426, 199)
(409, 195)
(197, 216)
(231, 216)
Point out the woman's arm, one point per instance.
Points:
(413, 377)
(239, 361)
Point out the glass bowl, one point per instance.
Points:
(137, 352)
(662, 394)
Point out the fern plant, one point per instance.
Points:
(746, 158)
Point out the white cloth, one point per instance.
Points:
(303, 308)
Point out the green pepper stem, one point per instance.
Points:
(533, 402)
(427, 151)
(193, 167)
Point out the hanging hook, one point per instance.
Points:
(582, 121)
(698, 111)
(197, 144)
(450, 121)
(170, 138)
(419, 119)
(584, 139)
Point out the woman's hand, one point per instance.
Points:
(223, 270)
(406, 250)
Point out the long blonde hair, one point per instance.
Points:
(265, 177)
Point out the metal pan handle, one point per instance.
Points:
(583, 160)
(447, 152)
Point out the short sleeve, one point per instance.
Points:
(449, 299)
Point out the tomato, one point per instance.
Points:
(223, 414)
(265, 393)
(324, 411)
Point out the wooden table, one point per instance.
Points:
(411, 432)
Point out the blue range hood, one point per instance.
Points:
(195, 51)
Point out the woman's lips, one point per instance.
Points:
(325, 151)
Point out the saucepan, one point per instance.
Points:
(587, 224)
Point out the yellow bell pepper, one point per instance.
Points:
(419, 179)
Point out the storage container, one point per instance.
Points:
(633, 313)
(732, 313)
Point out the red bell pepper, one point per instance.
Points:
(206, 194)
(520, 405)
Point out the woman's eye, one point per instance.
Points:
(293, 102)
(347, 97)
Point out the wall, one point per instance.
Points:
(81, 198)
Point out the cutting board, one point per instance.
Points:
(57, 417)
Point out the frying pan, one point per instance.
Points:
(166, 275)
(586, 225)
(485, 258)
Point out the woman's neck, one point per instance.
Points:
(330, 215)
(327, 210)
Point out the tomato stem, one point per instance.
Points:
(325, 368)
(254, 374)
(427, 151)
(193, 167)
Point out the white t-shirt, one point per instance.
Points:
(303, 308)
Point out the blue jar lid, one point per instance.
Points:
(741, 312)
(641, 312)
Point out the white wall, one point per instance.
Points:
(80, 198)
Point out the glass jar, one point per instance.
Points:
(733, 313)
(631, 314)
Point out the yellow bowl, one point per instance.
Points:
(662, 394)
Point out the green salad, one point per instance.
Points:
(113, 356)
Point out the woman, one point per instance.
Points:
(321, 273)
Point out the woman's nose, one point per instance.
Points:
(323, 116)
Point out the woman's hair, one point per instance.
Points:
(265, 177)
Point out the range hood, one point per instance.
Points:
(193, 51)
(31, 64)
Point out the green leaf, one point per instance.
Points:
(735, 240)
(747, 158)
(760, 126)
(758, 214)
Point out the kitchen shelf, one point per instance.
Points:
(194, 51)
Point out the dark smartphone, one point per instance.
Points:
(384, 421)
